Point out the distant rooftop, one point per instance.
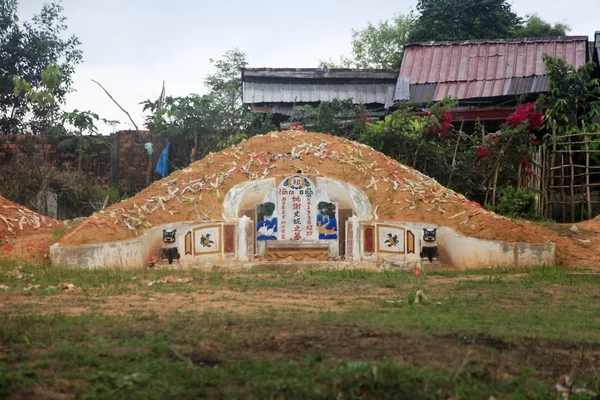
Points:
(288, 86)
(502, 41)
(476, 69)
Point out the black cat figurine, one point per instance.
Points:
(169, 247)
(429, 247)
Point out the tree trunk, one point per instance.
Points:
(494, 187)
(150, 160)
(80, 155)
(195, 152)
(454, 155)
(153, 137)
(588, 195)
(416, 154)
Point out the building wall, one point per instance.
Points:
(121, 160)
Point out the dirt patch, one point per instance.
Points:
(434, 352)
(218, 300)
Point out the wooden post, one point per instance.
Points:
(562, 188)
(551, 178)
(114, 160)
(460, 131)
(541, 204)
(572, 184)
(494, 187)
(587, 175)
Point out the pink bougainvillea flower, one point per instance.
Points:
(483, 152)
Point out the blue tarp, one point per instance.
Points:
(162, 166)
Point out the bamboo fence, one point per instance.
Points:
(563, 176)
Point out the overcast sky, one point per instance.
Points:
(131, 46)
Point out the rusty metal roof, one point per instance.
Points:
(485, 68)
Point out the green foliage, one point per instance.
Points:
(77, 129)
(381, 45)
(37, 53)
(464, 20)
(232, 140)
(516, 203)
(398, 134)
(225, 87)
(44, 96)
(574, 95)
(207, 122)
(79, 194)
(343, 62)
(535, 27)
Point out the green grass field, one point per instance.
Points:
(311, 334)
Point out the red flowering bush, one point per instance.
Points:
(440, 124)
(362, 115)
(483, 152)
(441, 121)
(295, 126)
(526, 112)
(526, 164)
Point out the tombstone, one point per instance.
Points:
(297, 220)
(47, 203)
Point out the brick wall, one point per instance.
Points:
(121, 160)
(96, 163)
(130, 169)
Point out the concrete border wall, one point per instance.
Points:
(470, 253)
(463, 252)
(134, 253)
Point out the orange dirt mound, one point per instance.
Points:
(396, 191)
(17, 220)
(24, 234)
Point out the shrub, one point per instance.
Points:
(516, 203)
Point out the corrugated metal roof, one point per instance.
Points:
(274, 74)
(359, 93)
(485, 68)
(402, 91)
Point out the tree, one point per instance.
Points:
(441, 20)
(83, 133)
(574, 96)
(225, 87)
(190, 117)
(381, 45)
(537, 27)
(343, 62)
(214, 120)
(26, 50)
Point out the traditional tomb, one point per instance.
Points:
(298, 197)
